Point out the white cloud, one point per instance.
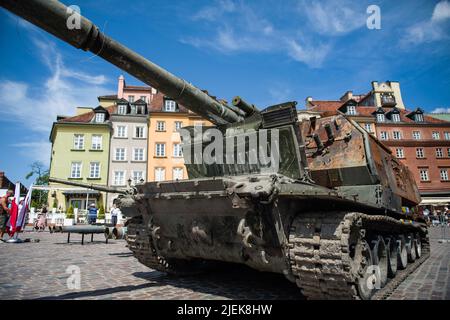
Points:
(430, 30)
(313, 56)
(237, 27)
(36, 107)
(333, 17)
(38, 150)
(441, 11)
(441, 110)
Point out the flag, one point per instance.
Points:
(14, 210)
(23, 210)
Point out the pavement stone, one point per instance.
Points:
(40, 270)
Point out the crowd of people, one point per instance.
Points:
(437, 217)
(40, 223)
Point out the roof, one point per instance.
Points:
(145, 88)
(108, 97)
(86, 117)
(330, 107)
(157, 104)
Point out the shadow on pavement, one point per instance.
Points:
(100, 292)
(232, 281)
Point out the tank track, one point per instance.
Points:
(319, 254)
(139, 242)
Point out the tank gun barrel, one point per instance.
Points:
(88, 186)
(56, 18)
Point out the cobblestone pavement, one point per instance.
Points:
(109, 271)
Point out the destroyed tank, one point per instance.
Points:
(331, 208)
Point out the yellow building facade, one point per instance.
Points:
(165, 158)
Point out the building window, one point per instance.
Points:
(160, 174)
(416, 135)
(160, 126)
(435, 135)
(177, 174)
(448, 152)
(399, 153)
(444, 174)
(137, 176)
(119, 178)
(170, 106)
(177, 150)
(447, 135)
(138, 154)
(160, 149)
(75, 170)
(96, 142)
(368, 127)
(139, 132)
(143, 98)
(121, 131)
(94, 170)
(420, 153)
(396, 135)
(119, 155)
(439, 153)
(131, 98)
(122, 109)
(418, 117)
(351, 110)
(380, 117)
(78, 141)
(384, 135)
(424, 175)
(99, 117)
(178, 125)
(395, 117)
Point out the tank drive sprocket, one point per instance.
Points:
(139, 242)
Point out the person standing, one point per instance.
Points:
(92, 214)
(4, 212)
(115, 211)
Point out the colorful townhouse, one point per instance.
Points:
(80, 152)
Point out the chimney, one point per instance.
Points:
(347, 96)
(120, 87)
(308, 102)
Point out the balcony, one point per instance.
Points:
(388, 101)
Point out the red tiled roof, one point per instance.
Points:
(330, 107)
(146, 88)
(87, 117)
(157, 104)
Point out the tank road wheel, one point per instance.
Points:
(392, 249)
(411, 247)
(362, 260)
(402, 253)
(418, 245)
(380, 260)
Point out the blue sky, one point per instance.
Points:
(267, 51)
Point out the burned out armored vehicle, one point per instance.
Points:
(322, 201)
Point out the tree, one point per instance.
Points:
(41, 173)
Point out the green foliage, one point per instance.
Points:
(101, 212)
(55, 203)
(42, 174)
(69, 213)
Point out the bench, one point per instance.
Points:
(84, 229)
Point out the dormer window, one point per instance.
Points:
(395, 117)
(418, 117)
(351, 110)
(380, 117)
(100, 117)
(170, 106)
(122, 109)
